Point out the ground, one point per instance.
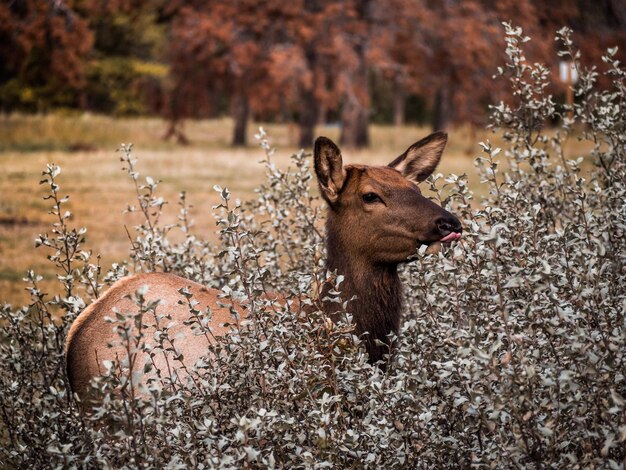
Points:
(85, 148)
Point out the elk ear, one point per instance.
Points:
(329, 169)
(421, 158)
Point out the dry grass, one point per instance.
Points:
(84, 146)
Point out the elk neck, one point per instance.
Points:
(377, 289)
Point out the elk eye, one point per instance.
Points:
(371, 197)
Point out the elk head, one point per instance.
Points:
(377, 214)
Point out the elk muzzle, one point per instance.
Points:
(450, 230)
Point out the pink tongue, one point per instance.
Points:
(452, 236)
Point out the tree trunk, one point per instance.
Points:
(354, 125)
(363, 134)
(240, 109)
(308, 118)
(355, 112)
(441, 113)
(83, 102)
(309, 108)
(173, 111)
(322, 115)
(285, 112)
(399, 103)
(618, 10)
(175, 129)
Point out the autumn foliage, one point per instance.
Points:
(305, 62)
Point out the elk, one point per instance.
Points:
(376, 220)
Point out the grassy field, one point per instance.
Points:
(84, 146)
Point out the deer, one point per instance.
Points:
(377, 218)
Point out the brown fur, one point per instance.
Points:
(366, 243)
(367, 237)
(86, 345)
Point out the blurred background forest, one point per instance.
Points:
(78, 77)
(303, 62)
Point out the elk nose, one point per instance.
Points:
(448, 225)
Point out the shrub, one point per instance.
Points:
(512, 352)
